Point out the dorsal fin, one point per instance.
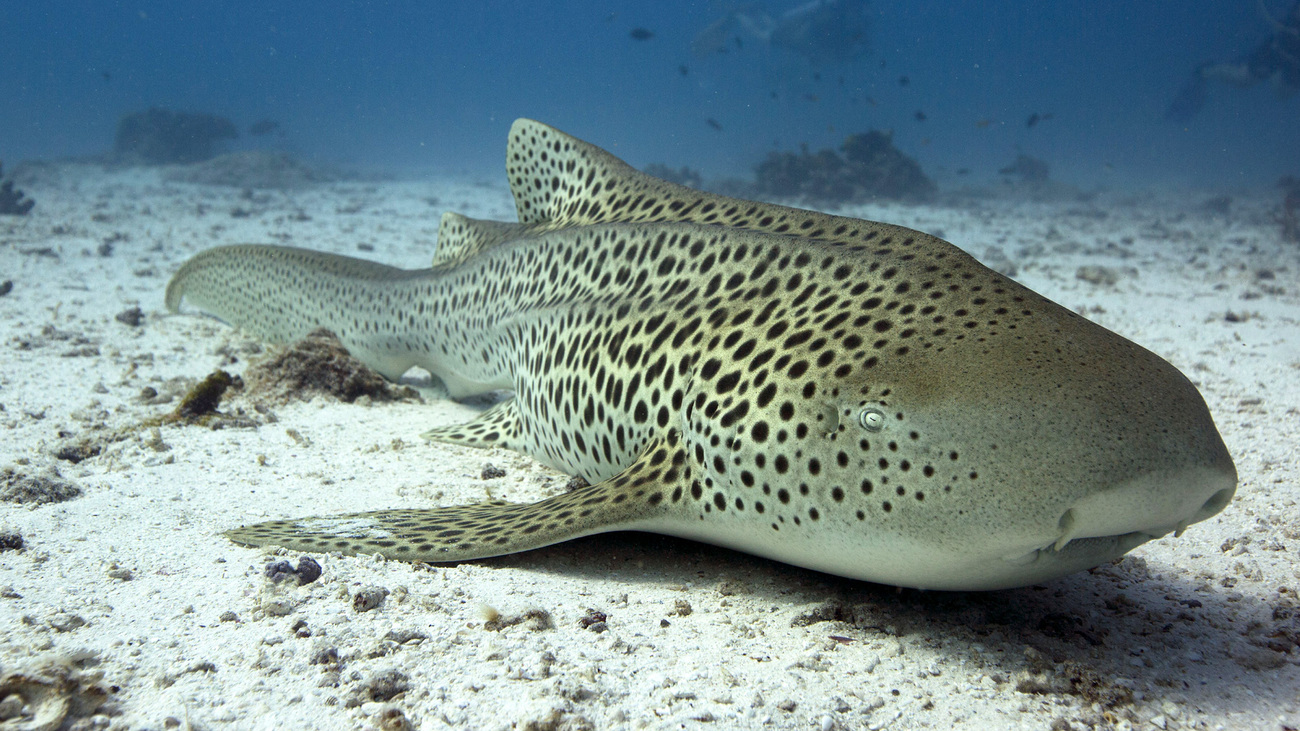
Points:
(560, 181)
(461, 237)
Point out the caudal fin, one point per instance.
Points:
(280, 294)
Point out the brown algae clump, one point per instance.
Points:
(320, 365)
(205, 397)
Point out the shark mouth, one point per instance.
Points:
(1071, 545)
(1103, 547)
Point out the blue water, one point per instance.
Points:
(433, 86)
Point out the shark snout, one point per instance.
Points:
(1152, 504)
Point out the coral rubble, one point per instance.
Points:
(1290, 216)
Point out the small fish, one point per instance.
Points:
(812, 98)
(904, 81)
(920, 116)
(983, 123)
(683, 70)
(1035, 118)
(641, 34)
(713, 123)
(963, 171)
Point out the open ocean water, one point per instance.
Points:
(964, 87)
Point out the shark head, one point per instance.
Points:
(950, 429)
(1036, 445)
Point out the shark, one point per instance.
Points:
(853, 397)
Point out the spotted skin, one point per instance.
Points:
(845, 395)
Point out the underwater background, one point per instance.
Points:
(432, 87)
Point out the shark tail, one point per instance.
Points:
(280, 294)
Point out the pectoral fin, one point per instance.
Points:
(634, 499)
(496, 427)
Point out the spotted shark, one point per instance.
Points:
(853, 397)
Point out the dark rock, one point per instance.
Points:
(78, 451)
(368, 598)
(39, 489)
(1028, 169)
(133, 317)
(594, 620)
(1290, 216)
(11, 540)
(884, 170)
(12, 201)
(380, 687)
(306, 572)
(161, 137)
(871, 167)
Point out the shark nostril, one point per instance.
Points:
(1067, 526)
(1218, 501)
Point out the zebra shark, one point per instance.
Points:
(848, 396)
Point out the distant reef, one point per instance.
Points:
(159, 136)
(12, 201)
(871, 167)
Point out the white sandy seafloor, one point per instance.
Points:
(129, 597)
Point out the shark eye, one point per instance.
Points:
(871, 419)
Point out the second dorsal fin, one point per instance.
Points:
(461, 237)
